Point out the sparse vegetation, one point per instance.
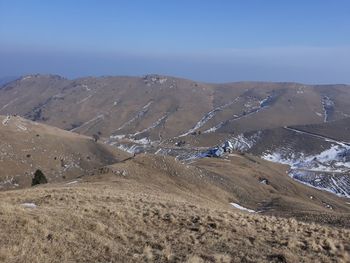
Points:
(126, 222)
(152, 208)
(95, 137)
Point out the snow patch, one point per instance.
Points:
(8, 104)
(154, 125)
(327, 170)
(263, 104)
(21, 127)
(242, 143)
(72, 182)
(209, 115)
(328, 107)
(154, 79)
(29, 205)
(6, 120)
(118, 137)
(84, 99)
(138, 115)
(130, 149)
(27, 77)
(141, 141)
(277, 157)
(86, 87)
(242, 208)
(216, 127)
(333, 159)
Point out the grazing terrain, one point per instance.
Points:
(26, 146)
(161, 107)
(131, 214)
(162, 169)
(338, 129)
(143, 166)
(304, 126)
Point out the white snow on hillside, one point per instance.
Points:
(29, 205)
(328, 106)
(242, 143)
(138, 115)
(242, 208)
(6, 120)
(209, 115)
(328, 170)
(154, 125)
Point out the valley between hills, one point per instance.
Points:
(163, 169)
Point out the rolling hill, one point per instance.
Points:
(181, 118)
(26, 146)
(170, 202)
(155, 209)
(161, 107)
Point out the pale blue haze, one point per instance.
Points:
(269, 40)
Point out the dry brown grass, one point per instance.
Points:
(26, 146)
(124, 221)
(119, 99)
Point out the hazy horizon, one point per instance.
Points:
(293, 41)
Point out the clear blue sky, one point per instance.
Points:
(224, 40)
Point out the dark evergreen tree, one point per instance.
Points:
(39, 178)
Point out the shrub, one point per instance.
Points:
(39, 178)
(95, 137)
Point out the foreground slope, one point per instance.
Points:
(242, 180)
(124, 216)
(26, 146)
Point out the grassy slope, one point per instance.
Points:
(123, 220)
(27, 146)
(107, 103)
(338, 130)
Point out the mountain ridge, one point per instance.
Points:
(156, 113)
(152, 87)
